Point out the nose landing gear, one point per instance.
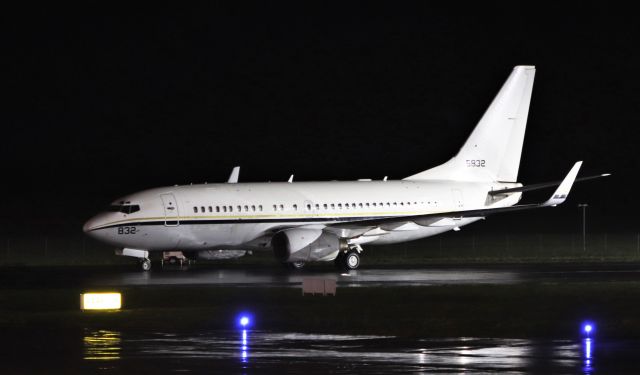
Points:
(142, 255)
(145, 264)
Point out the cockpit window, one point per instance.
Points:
(124, 208)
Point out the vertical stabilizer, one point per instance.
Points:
(492, 151)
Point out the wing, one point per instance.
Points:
(383, 225)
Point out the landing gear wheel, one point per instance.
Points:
(352, 260)
(348, 261)
(146, 264)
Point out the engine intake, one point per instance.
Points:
(295, 245)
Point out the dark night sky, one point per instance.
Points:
(107, 101)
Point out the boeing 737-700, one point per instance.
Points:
(330, 221)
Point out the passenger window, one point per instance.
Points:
(333, 206)
(325, 206)
(317, 206)
(195, 209)
(253, 208)
(217, 208)
(282, 207)
(224, 208)
(210, 209)
(230, 208)
(295, 207)
(339, 206)
(246, 208)
(275, 208)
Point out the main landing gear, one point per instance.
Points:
(348, 260)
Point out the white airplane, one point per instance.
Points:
(330, 221)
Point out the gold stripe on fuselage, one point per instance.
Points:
(240, 217)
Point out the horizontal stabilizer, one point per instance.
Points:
(543, 185)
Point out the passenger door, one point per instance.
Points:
(171, 213)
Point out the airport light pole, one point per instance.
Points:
(584, 225)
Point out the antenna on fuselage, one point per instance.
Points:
(385, 178)
(290, 179)
(235, 175)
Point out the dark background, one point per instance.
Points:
(101, 102)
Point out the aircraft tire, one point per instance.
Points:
(348, 261)
(145, 264)
(352, 260)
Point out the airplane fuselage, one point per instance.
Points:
(245, 215)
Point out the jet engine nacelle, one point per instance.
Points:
(304, 245)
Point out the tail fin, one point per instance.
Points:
(492, 151)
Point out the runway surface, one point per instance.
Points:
(268, 277)
(193, 329)
(249, 351)
(277, 277)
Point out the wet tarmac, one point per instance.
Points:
(97, 346)
(269, 277)
(247, 351)
(275, 276)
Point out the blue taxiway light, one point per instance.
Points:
(588, 328)
(244, 321)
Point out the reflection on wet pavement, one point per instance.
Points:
(102, 345)
(372, 277)
(365, 277)
(269, 351)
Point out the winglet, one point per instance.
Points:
(562, 191)
(235, 174)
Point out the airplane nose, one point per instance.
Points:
(91, 224)
(87, 226)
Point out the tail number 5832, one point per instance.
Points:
(476, 163)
